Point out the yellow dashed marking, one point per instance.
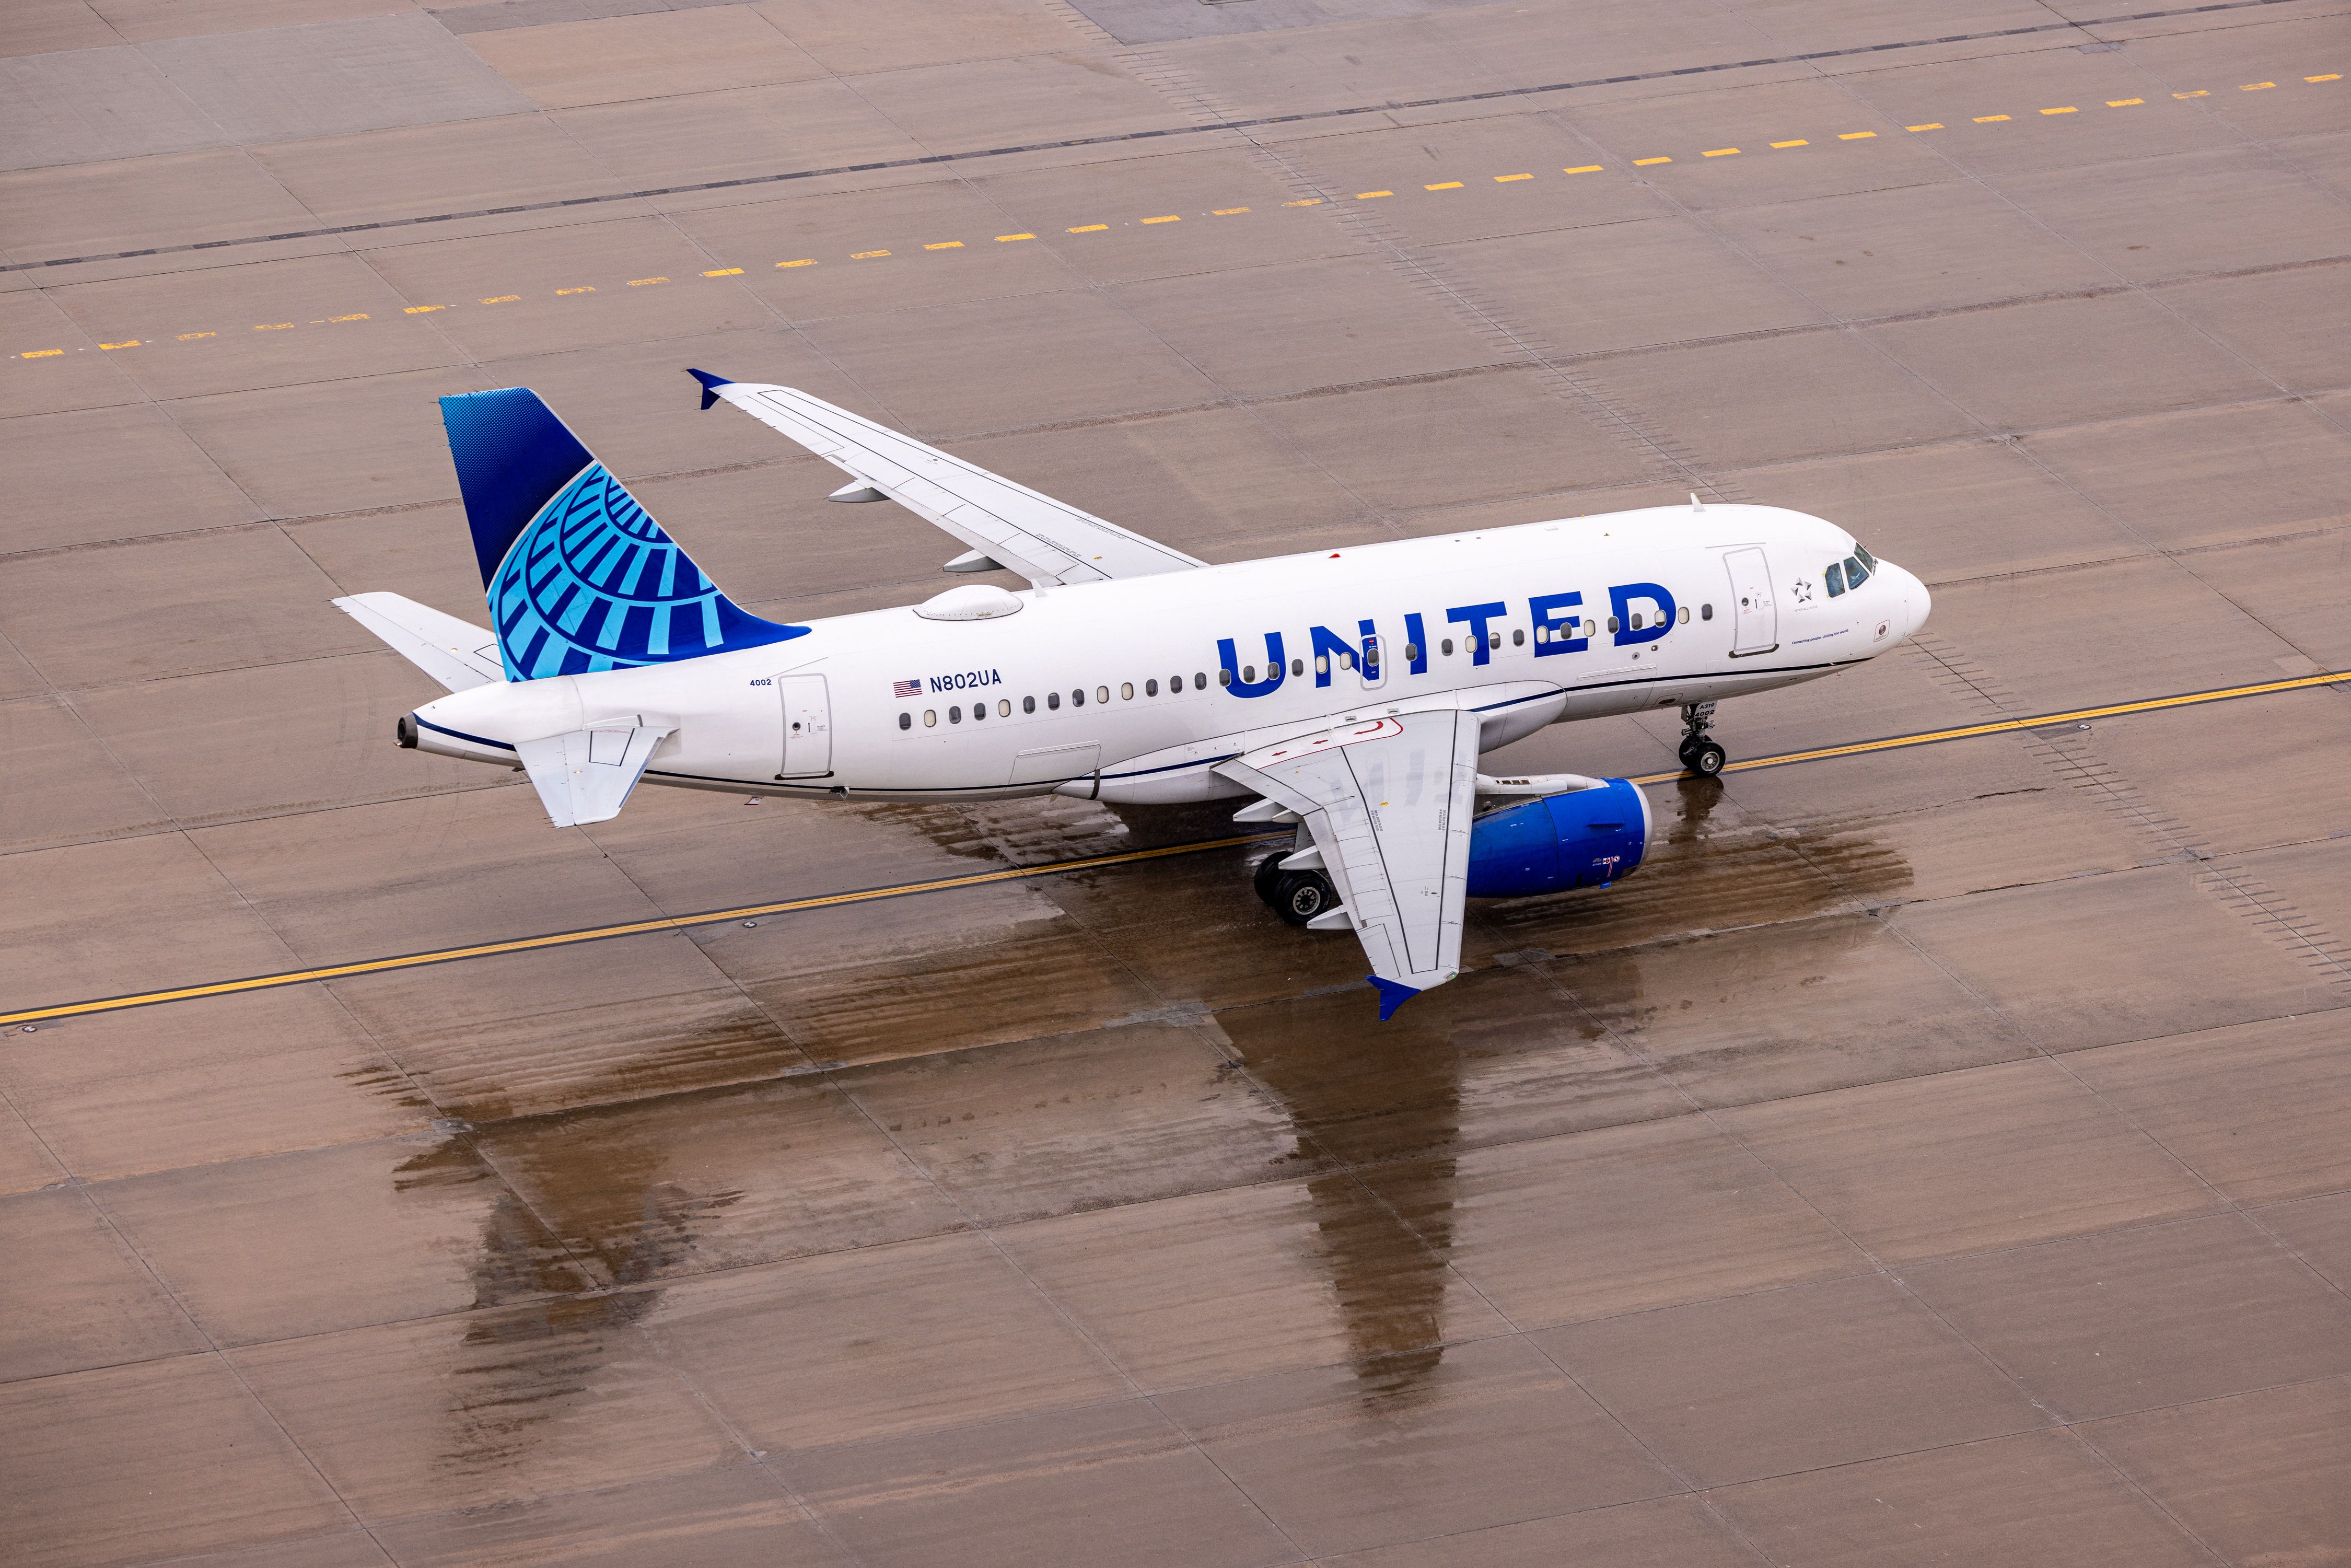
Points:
(1582, 169)
(1372, 196)
(502, 299)
(2199, 92)
(2069, 109)
(1721, 152)
(946, 245)
(1798, 141)
(1930, 125)
(642, 282)
(723, 272)
(132, 344)
(1446, 185)
(412, 310)
(1645, 162)
(1309, 202)
(2255, 86)
(1856, 135)
(1170, 218)
(804, 261)
(288, 325)
(1506, 179)
(1008, 239)
(1226, 212)
(41, 354)
(360, 316)
(583, 288)
(1989, 119)
(2123, 102)
(866, 255)
(2330, 75)
(1089, 229)
(192, 337)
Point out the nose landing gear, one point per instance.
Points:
(1700, 752)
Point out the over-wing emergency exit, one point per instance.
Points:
(1349, 692)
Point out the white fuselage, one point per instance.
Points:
(1121, 691)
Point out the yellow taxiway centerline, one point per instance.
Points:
(1089, 862)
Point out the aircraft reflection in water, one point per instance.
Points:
(1381, 1114)
(1353, 691)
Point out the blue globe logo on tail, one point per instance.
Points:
(579, 577)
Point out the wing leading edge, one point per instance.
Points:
(1046, 541)
(1389, 803)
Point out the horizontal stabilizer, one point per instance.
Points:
(459, 656)
(584, 776)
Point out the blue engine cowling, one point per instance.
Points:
(1586, 838)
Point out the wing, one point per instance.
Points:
(1044, 540)
(1389, 804)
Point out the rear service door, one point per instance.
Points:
(808, 727)
(1758, 629)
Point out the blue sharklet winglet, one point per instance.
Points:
(710, 385)
(1394, 994)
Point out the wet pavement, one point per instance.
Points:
(1931, 1154)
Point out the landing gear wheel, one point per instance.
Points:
(1700, 755)
(1300, 895)
(1268, 873)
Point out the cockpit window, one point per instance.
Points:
(1856, 574)
(1867, 559)
(1835, 578)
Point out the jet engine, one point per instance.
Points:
(1580, 837)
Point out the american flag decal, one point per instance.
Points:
(907, 688)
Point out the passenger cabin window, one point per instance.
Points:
(1151, 688)
(1224, 678)
(978, 712)
(1078, 697)
(930, 718)
(1705, 611)
(1102, 694)
(1297, 666)
(1028, 704)
(1053, 699)
(905, 721)
(1517, 637)
(1199, 681)
(1447, 646)
(1835, 578)
(1637, 621)
(1126, 691)
(1004, 707)
(1493, 639)
(955, 715)
(1412, 653)
(1612, 623)
(1684, 615)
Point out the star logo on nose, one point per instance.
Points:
(1804, 590)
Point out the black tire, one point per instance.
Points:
(1705, 759)
(1300, 895)
(1268, 873)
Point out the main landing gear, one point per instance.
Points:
(1298, 896)
(1700, 753)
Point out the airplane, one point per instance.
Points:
(1349, 691)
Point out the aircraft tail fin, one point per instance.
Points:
(579, 574)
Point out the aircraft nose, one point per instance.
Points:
(1916, 601)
